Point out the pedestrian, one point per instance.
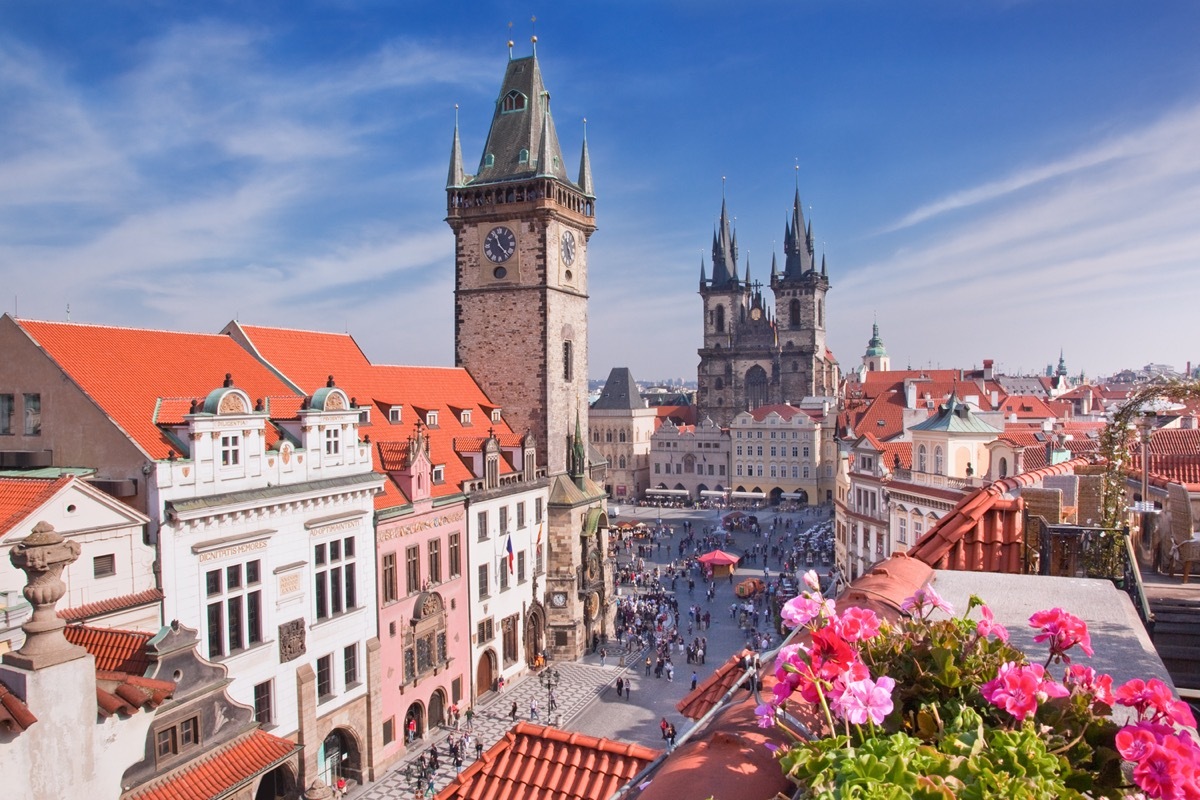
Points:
(533, 710)
(553, 700)
(628, 689)
(700, 654)
(478, 749)
(470, 719)
(512, 712)
(620, 686)
(694, 680)
(412, 728)
(500, 684)
(671, 736)
(603, 655)
(648, 662)
(663, 727)
(340, 787)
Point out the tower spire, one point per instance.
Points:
(585, 166)
(545, 165)
(456, 178)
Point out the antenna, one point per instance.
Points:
(68, 312)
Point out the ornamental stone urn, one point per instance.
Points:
(42, 556)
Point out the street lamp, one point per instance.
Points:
(550, 680)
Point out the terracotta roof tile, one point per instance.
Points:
(533, 762)
(112, 605)
(122, 693)
(783, 410)
(125, 371)
(1175, 441)
(20, 497)
(217, 773)
(115, 650)
(15, 716)
(892, 449)
(698, 702)
(1181, 468)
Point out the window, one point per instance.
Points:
(503, 520)
(568, 361)
(350, 664)
(773, 453)
(234, 608)
(902, 534)
(264, 708)
(364, 416)
(621, 462)
(395, 414)
(166, 742)
(439, 474)
(333, 441)
(33, 415)
(621, 436)
(464, 417)
(435, 560)
(231, 450)
(657, 468)
(1003, 467)
(739, 470)
(520, 515)
(773, 468)
(760, 451)
(795, 452)
(939, 464)
(806, 452)
(521, 567)
(412, 569)
(324, 678)
(336, 587)
(496, 415)
(513, 101)
(739, 449)
(390, 580)
(484, 589)
(431, 419)
(104, 566)
(455, 555)
(917, 528)
(189, 732)
(537, 510)
(6, 414)
(389, 730)
(485, 631)
(502, 574)
(921, 460)
(482, 520)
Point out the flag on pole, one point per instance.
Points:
(511, 557)
(539, 539)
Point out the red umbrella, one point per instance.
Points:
(719, 557)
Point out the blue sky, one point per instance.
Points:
(990, 179)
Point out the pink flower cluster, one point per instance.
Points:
(1166, 760)
(1019, 688)
(1063, 631)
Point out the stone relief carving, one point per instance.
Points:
(291, 640)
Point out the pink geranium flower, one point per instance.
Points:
(1063, 631)
(923, 601)
(1087, 681)
(865, 699)
(1019, 689)
(812, 580)
(803, 610)
(858, 624)
(989, 627)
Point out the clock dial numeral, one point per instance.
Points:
(499, 244)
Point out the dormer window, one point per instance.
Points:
(495, 415)
(333, 441)
(513, 101)
(523, 156)
(395, 414)
(489, 160)
(364, 416)
(431, 419)
(464, 417)
(438, 474)
(231, 450)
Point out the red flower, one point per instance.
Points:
(1063, 630)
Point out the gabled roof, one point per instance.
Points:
(228, 767)
(126, 371)
(20, 497)
(1026, 406)
(620, 392)
(533, 762)
(782, 409)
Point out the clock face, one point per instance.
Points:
(558, 599)
(755, 313)
(499, 244)
(593, 567)
(568, 248)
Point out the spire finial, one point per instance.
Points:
(533, 38)
(722, 188)
(510, 41)
(797, 174)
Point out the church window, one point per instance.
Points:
(513, 101)
(621, 436)
(568, 359)
(523, 156)
(939, 464)
(556, 162)
(820, 313)
(720, 326)
(921, 459)
(794, 314)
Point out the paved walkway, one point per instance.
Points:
(581, 683)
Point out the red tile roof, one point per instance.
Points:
(783, 410)
(892, 449)
(1026, 406)
(110, 606)
(1175, 441)
(984, 531)
(20, 497)
(15, 716)
(1182, 468)
(533, 762)
(122, 693)
(696, 703)
(307, 359)
(115, 650)
(224, 769)
(126, 371)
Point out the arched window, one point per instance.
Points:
(514, 101)
(523, 156)
(720, 319)
(608, 436)
(756, 387)
(720, 383)
(922, 466)
(1003, 467)
(794, 314)
(820, 313)
(621, 436)
(621, 462)
(939, 463)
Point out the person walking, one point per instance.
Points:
(671, 736)
(620, 686)
(662, 726)
(478, 748)
(512, 712)
(553, 700)
(603, 655)
(648, 663)
(695, 679)
(533, 710)
(628, 689)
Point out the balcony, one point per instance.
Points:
(930, 479)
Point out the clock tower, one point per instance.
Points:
(521, 230)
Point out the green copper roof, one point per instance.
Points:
(955, 417)
(875, 346)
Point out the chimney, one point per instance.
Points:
(910, 394)
(987, 369)
(995, 398)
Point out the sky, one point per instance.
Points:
(996, 179)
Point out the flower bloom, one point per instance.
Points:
(925, 600)
(989, 627)
(1089, 682)
(1019, 689)
(1154, 696)
(766, 715)
(865, 699)
(1063, 630)
(812, 580)
(857, 624)
(803, 610)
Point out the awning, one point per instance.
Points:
(674, 492)
(711, 493)
(751, 495)
(793, 495)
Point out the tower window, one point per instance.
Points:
(794, 314)
(513, 101)
(489, 160)
(720, 325)
(568, 361)
(523, 156)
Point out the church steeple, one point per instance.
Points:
(797, 251)
(724, 254)
(585, 167)
(456, 178)
(522, 129)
